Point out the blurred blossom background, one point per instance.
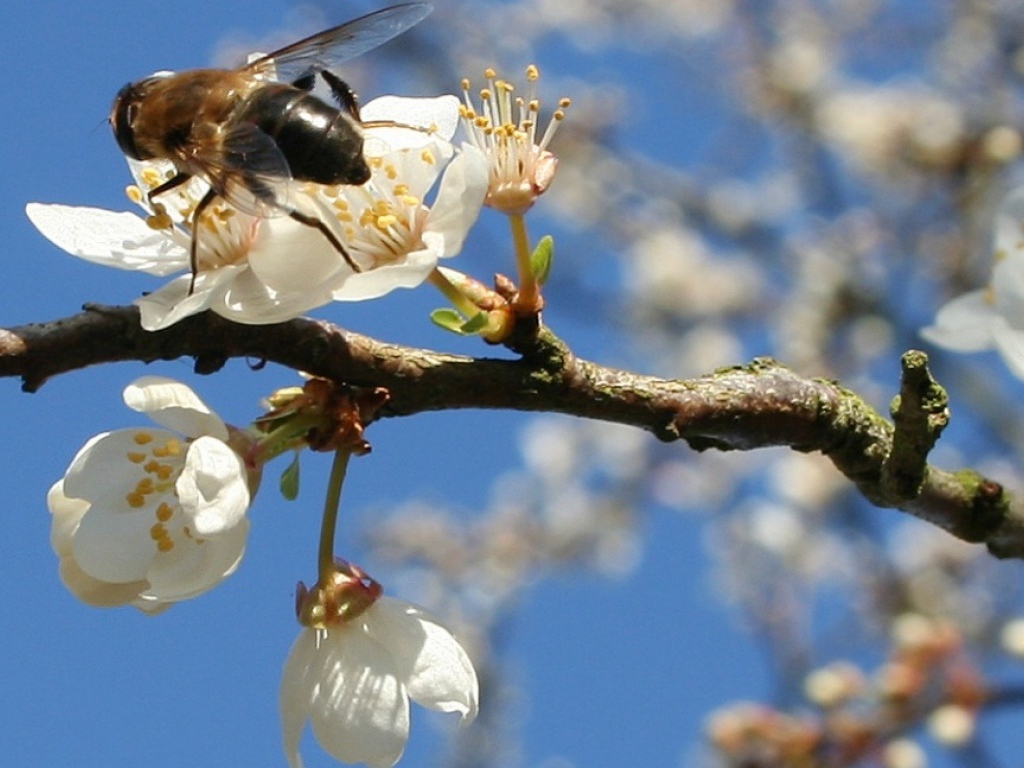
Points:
(807, 180)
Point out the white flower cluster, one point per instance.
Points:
(267, 270)
(149, 517)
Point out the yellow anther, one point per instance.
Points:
(159, 221)
(142, 438)
(145, 485)
(410, 200)
(401, 189)
(534, 105)
(157, 531)
(558, 115)
(428, 157)
(489, 73)
(485, 94)
(171, 448)
(165, 545)
(164, 512)
(506, 86)
(136, 457)
(151, 177)
(563, 103)
(465, 83)
(375, 162)
(162, 471)
(389, 220)
(135, 500)
(134, 194)
(532, 73)
(341, 204)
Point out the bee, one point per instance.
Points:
(250, 131)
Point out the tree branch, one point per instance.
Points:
(751, 406)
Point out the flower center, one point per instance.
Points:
(224, 235)
(382, 220)
(161, 462)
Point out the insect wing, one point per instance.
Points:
(333, 46)
(250, 172)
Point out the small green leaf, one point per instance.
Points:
(475, 324)
(290, 480)
(541, 258)
(448, 319)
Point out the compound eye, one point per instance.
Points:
(122, 120)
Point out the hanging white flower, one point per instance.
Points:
(351, 676)
(249, 269)
(993, 317)
(148, 516)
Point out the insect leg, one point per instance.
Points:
(305, 81)
(313, 221)
(193, 254)
(175, 181)
(343, 93)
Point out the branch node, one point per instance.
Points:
(920, 412)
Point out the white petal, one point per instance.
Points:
(358, 708)
(964, 324)
(1010, 343)
(417, 169)
(360, 712)
(174, 405)
(94, 592)
(66, 514)
(411, 272)
(459, 198)
(292, 257)
(173, 302)
(115, 546)
(295, 698)
(250, 302)
(121, 240)
(439, 117)
(437, 670)
(212, 487)
(194, 567)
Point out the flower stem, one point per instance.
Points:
(529, 298)
(459, 300)
(329, 522)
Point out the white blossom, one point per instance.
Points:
(259, 270)
(148, 516)
(353, 680)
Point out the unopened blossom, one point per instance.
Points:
(150, 516)
(249, 269)
(504, 126)
(992, 317)
(358, 660)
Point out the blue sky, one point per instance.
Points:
(612, 672)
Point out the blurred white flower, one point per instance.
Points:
(992, 317)
(352, 676)
(267, 270)
(146, 516)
